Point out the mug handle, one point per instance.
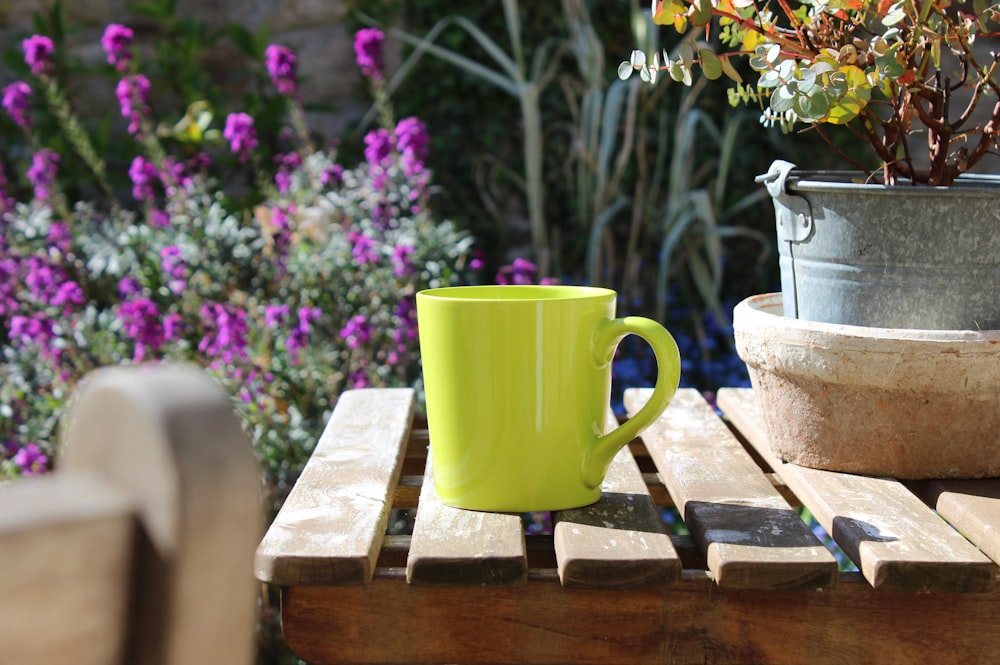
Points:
(608, 335)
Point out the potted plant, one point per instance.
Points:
(882, 353)
(868, 248)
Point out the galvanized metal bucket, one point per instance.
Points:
(890, 257)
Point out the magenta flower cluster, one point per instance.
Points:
(117, 44)
(37, 293)
(42, 172)
(240, 133)
(368, 44)
(38, 54)
(521, 271)
(30, 460)
(144, 324)
(280, 63)
(409, 141)
(16, 102)
(133, 99)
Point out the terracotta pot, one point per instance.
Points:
(878, 401)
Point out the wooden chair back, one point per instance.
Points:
(138, 548)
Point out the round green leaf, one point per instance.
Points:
(686, 53)
(781, 103)
(711, 65)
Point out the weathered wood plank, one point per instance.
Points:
(691, 622)
(331, 526)
(456, 546)
(66, 560)
(620, 541)
(751, 537)
(897, 542)
(972, 507)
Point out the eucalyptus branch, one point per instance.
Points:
(977, 93)
(988, 138)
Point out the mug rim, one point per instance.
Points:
(515, 293)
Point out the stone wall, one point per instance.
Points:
(314, 29)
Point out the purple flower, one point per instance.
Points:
(333, 175)
(68, 293)
(117, 43)
(307, 315)
(368, 51)
(226, 332)
(127, 287)
(42, 172)
(274, 315)
(16, 101)
(521, 271)
(406, 313)
(356, 332)
(358, 379)
(378, 147)
(59, 238)
(40, 278)
(133, 98)
(286, 164)
(240, 133)
(364, 248)
(412, 142)
(172, 327)
(477, 263)
(173, 175)
(401, 266)
(280, 63)
(144, 175)
(30, 460)
(141, 323)
(37, 330)
(38, 50)
(159, 217)
(172, 264)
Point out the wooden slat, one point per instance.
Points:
(331, 526)
(691, 622)
(456, 546)
(619, 542)
(894, 538)
(66, 560)
(751, 537)
(972, 507)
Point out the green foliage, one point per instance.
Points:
(825, 62)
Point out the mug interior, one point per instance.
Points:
(517, 292)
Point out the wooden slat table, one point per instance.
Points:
(751, 584)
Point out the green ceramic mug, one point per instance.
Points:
(518, 386)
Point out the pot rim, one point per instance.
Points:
(766, 309)
(857, 181)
